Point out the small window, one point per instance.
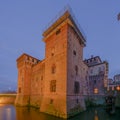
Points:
(53, 69)
(76, 70)
(52, 51)
(76, 87)
(74, 52)
(58, 31)
(53, 86)
(51, 101)
(41, 77)
(77, 101)
(96, 91)
(94, 81)
(19, 90)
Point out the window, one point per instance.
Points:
(77, 101)
(76, 87)
(74, 52)
(41, 77)
(19, 90)
(53, 69)
(76, 70)
(95, 90)
(52, 51)
(53, 86)
(94, 81)
(51, 101)
(58, 31)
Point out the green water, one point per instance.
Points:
(10, 112)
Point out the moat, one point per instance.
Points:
(10, 112)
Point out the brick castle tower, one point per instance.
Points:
(57, 83)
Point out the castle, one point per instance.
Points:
(57, 84)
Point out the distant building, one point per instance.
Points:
(98, 75)
(111, 85)
(115, 83)
(110, 81)
(57, 84)
(117, 78)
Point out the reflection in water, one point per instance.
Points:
(7, 112)
(96, 115)
(10, 112)
(23, 113)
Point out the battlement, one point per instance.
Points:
(25, 58)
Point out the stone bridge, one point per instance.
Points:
(7, 98)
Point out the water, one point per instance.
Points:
(10, 112)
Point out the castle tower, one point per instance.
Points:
(24, 65)
(63, 68)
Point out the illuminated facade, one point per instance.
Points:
(56, 84)
(98, 75)
(115, 83)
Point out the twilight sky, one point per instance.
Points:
(22, 23)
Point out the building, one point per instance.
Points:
(98, 75)
(111, 86)
(117, 78)
(114, 85)
(58, 83)
(110, 81)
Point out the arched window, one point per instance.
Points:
(53, 69)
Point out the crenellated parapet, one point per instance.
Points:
(26, 59)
